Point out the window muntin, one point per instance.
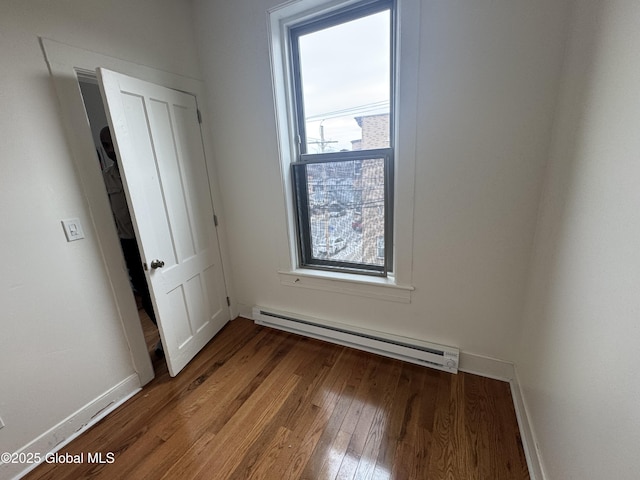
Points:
(342, 78)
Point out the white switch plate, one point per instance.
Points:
(72, 229)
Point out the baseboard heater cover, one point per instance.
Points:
(410, 350)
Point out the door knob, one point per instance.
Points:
(157, 264)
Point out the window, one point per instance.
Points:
(342, 78)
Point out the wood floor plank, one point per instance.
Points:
(241, 428)
(340, 380)
(383, 392)
(333, 460)
(237, 435)
(203, 409)
(348, 466)
(262, 404)
(396, 426)
(359, 400)
(311, 380)
(307, 428)
(443, 439)
(263, 468)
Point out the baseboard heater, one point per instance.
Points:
(407, 349)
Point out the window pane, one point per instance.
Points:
(345, 75)
(346, 206)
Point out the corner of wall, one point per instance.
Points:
(73, 426)
(527, 435)
(507, 371)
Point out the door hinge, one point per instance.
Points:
(228, 302)
(215, 220)
(146, 268)
(199, 115)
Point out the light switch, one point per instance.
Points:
(73, 229)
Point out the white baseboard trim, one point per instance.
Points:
(506, 371)
(526, 432)
(245, 310)
(74, 425)
(486, 366)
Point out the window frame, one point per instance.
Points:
(298, 165)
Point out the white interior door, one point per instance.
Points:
(159, 145)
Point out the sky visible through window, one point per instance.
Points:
(345, 73)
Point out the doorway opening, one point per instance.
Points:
(108, 164)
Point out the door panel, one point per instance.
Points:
(162, 164)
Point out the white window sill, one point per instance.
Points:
(348, 284)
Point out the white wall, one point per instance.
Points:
(61, 343)
(488, 79)
(578, 357)
(488, 85)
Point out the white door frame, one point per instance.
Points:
(64, 63)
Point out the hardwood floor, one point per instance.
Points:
(151, 335)
(262, 404)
